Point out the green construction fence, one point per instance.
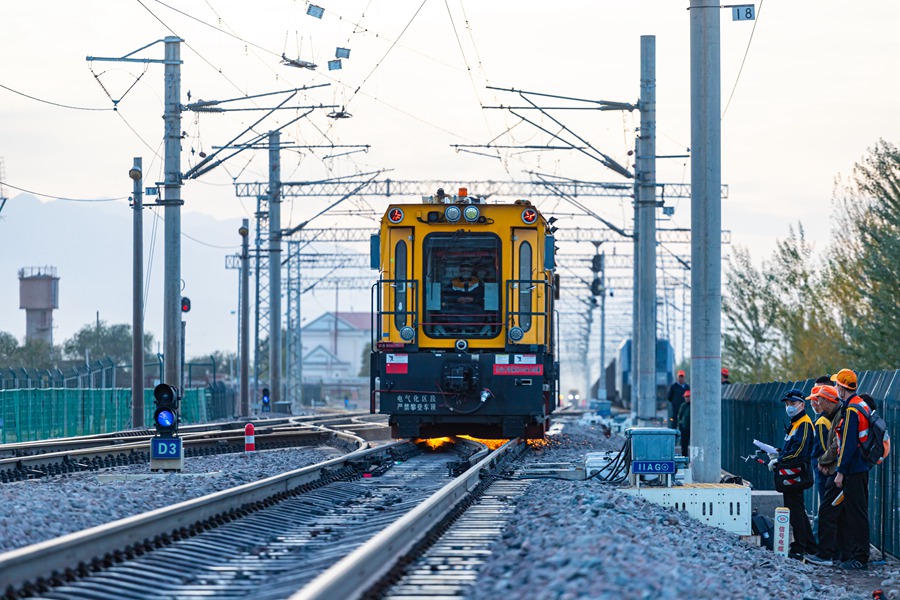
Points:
(38, 414)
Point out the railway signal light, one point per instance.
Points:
(529, 216)
(266, 400)
(185, 304)
(596, 287)
(165, 417)
(395, 215)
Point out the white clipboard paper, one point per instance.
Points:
(765, 447)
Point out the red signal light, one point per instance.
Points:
(185, 304)
(529, 215)
(395, 215)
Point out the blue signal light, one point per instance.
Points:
(165, 418)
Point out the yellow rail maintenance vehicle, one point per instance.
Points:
(464, 334)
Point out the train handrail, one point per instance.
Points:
(378, 312)
(512, 284)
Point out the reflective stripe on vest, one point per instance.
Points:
(863, 412)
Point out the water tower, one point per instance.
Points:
(38, 295)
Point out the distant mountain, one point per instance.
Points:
(90, 244)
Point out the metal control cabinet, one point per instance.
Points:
(651, 443)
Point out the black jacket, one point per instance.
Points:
(676, 397)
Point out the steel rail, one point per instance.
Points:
(352, 576)
(69, 552)
(116, 443)
(128, 436)
(42, 464)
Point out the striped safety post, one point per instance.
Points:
(249, 438)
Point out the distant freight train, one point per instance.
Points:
(619, 373)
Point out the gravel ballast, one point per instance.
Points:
(45, 508)
(584, 539)
(566, 540)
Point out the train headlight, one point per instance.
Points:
(407, 333)
(462, 345)
(452, 214)
(516, 334)
(471, 213)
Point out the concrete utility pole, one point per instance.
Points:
(137, 299)
(275, 266)
(601, 386)
(585, 399)
(244, 231)
(706, 240)
(172, 202)
(644, 368)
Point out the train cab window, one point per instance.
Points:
(525, 287)
(400, 275)
(462, 285)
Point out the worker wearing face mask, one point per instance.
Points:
(793, 472)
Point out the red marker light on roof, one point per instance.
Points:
(529, 215)
(395, 215)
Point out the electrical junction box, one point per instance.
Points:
(651, 443)
(723, 505)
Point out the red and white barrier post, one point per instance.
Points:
(249, 438)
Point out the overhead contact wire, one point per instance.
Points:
(51, 103)
(378, 64)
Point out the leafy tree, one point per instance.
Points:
(8, 347)
(37, 354)
(748, 342)
(865, 259)
(104, 340)
(34, 354)
(802, 310)
(780, 320)
(793, 318)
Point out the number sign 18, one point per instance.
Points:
(744, 12)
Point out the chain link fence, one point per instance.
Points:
(755, 411)
(38, 414)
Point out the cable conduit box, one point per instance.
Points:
(651, 443)
(723, 505)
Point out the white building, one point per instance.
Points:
(333, 345)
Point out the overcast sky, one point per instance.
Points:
(808, 87)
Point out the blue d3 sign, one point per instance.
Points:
(165, 448)
(653, 467)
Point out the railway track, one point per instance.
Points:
(30, 460)
(283, 531)
(435, 550)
